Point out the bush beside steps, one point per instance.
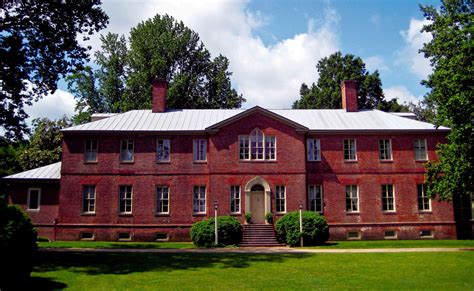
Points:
(315, 228)
(229, 232)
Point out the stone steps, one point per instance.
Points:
(259, 235)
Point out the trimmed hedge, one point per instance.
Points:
(229, 232)
(17, 246)
(315, 228)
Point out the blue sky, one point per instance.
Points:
(273, 46)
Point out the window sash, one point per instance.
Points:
(280, 199)
(90, 151)
(352, 198)
(315, 198)
(419, 145)
(270, 148)
(200, 150)
(88, 199)
(385, 149)
(235, 199)
(199, 199)
(350, 150)
(126, 150)
(244, 147)
(34, 198)
(314, 149)
(424, 203)
(388, 198)
(125, 198)
(257, 145)
(163, 150)
(162, 200)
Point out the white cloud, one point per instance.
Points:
(267, 75)
(409, 55)
(400, 92)
(53, 106)
(376, 63)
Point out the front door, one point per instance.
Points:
(257, 206)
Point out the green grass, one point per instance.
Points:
(142, 271)
(382, 244)
(116, 245)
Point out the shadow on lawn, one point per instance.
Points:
(125, 263)
(41, 283)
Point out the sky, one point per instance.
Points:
(273, 46)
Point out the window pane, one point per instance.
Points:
(33, 199)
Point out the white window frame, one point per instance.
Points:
(257, 141)
(124, 192)
(235, 199)
(90, 151)
(270, 147)
(160, 190)
(386, 198)
(244, 147)
(349, 190)
(29, 199)
(422, 197)
(348, 149)
(419, 147)
(200, 150)
(313, 149)
(384, 149)
(88, 199)
(163, 150)
(313, 202)
(199, 200)
(249, 146)
(129, 147)
(279, 197)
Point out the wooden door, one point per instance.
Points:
(257, 206)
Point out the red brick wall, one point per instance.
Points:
(224, 169)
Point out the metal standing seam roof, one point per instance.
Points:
(200, 119)
(49, 172)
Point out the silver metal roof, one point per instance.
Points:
(200, 119)
(48, 172)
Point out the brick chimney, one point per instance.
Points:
(349, 95)
(158, 95)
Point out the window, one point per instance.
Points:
(390, 234)
(350, 150)
(280, 199)
(90, 152)
(352, 198)
(257, 146)
(424, 203)
(124, 236)
(419, 145)
(385, 149)
(270, 147)
(388, 198)
(426, 234)
(125, 199)
(34, 196)
(162, 200)
(235, 199)
(199, 199)
(314, 150)
(88, 199)
(87, 236)
(244, 147)
(354, 235)
(315, 198)
(163, 150)
(126, 150)
(200, 150)
(160, 236)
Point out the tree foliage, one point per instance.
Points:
(39, 44)
(451, 56)
(315, 228)
(326, 93)
(44, 146)
(10, 156)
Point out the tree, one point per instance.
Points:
(39, 44)
(451, 55)
(44, 146)
(10, 156)
(163, 48)
(326, 94)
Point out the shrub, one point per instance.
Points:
(42, 239)
(248, 217)
(315, 228)
(269, 217)
(17, 246)
(228, 228)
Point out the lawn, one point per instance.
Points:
(84, 271)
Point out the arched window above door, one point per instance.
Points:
(258, 188)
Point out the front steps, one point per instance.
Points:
(259, 235)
